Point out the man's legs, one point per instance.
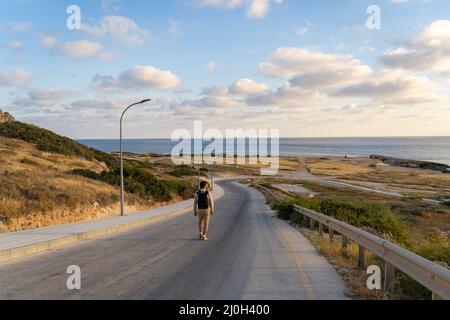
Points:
(200, 223)
(206, 224)
(204, 218)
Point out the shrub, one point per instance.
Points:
(183, 170)
(48, 141)
(86, 173)
(361, 214)
(140, 182)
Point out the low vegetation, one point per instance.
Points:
(183, 171)
(48, 141)
(371, 216)
(47, 179)
(140, 182)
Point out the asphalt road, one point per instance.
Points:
(250, 254)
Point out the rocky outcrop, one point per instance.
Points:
(5, 117)
(413, 164)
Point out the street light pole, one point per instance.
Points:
(122, 191)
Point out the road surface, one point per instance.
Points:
(251, 254)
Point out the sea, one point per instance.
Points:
(434, 149)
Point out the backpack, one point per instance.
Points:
(203, 201)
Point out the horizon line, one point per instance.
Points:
(329, 137)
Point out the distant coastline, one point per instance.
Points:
(432, 149)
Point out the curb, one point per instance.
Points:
(35, 248)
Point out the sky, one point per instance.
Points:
(307, 68)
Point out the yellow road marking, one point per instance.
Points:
(301, 272)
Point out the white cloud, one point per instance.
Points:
(430, 51)
(215, 91)
(244, 87)
(139, 77)
(287, 63)
(212, 66)
(48, 41)
(175, 29)
(122, 29)
(396, 87)
(329, 78)
(286, 95)
(247, 87)
(82, 49)
(224, 4)
(256, 9)
(17, 77)
(43, 98)
(209, 102)
(312, 69)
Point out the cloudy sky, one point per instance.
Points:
(308, 68)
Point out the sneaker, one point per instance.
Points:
(201, 236)
(205, 238)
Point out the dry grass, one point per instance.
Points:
(335, 168)
(413, 182)
(412, 178)
(37, 191)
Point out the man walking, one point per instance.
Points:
(204, 209)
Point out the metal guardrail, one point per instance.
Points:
(431, 275)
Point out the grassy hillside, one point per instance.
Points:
(47, 179)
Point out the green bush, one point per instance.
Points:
(183, 170)
(86, 173)
(437, 249)
(407, 288)
(140, 182)
(48, 141)
(361, 214)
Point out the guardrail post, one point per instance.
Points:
(362, 257)
(389, 275)
(311, 224)
(331, 234)
(344, 242)
(321, 229)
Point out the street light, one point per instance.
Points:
(122, 192)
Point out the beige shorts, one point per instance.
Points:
(204, 213)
